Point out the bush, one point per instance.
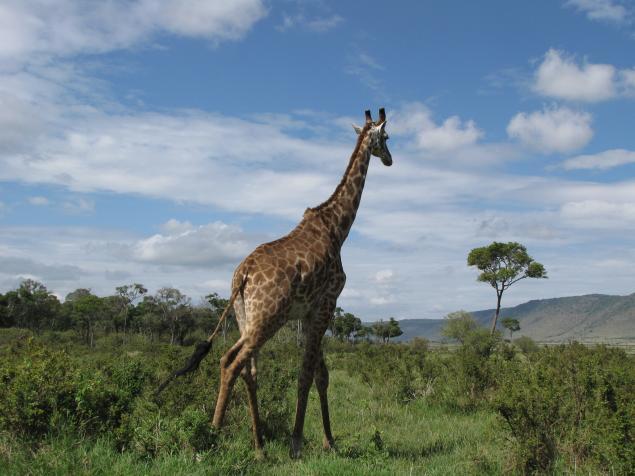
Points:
(156, 434)
(526, 345)
(43, 391)
(277, 375)
(37, 391)
(570, 402)
(472, 371)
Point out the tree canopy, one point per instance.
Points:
(502, 265)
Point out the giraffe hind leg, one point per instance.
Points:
(248, 374)
(322, 383)
(231, 365)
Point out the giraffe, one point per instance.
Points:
(299, 276)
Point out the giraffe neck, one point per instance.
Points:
(339, 211)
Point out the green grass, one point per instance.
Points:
(53, 390)
(373, 436)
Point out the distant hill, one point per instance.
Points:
(593, 317)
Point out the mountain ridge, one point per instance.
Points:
(589, 317)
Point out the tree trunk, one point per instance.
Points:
(498, 309)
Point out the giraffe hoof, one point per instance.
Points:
(296, 448)
(328, 444)
(260, 454)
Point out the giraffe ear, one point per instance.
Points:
(357, 129)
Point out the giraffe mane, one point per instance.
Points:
(360, 139)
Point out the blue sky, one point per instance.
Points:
(160, 141)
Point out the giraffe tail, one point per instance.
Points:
(202, 348)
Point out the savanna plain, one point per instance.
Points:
(481, 406)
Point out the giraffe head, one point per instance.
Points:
(376, 131)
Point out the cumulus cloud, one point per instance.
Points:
(560, 77)
(68, 27)
(454, 133)
(602, 160)
(184, 244)
(552, 129)
(601, 10)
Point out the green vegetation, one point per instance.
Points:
(79, 381)
(71, 406)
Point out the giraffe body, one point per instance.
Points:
(299, 276)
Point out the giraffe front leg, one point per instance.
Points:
(322, 383)
(311, 351)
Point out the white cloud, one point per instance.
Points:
(176, 155)
(560, 77)
(67, 27)
(367, 69)
(452, 134)
(186, 245)
(416, 119)
(318, 24)
(382, 300)
(79, 205)
(603, 160)
(39, 201)
(384, 275)
(552, 130)
(98, 258)
(20, 267)
(601, 10)
(599, 214)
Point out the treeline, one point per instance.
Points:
(168, 315)
(348, 327)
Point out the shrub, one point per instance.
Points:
(472, 370)
(37, 391)
(526, 345)
(570, 402)
(156, 434)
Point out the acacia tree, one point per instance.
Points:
(504, 264)
(511, 324)
(32, 306)
(128, 294)
(87, 312)
(174, 308)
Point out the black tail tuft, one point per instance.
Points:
(201, 350)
